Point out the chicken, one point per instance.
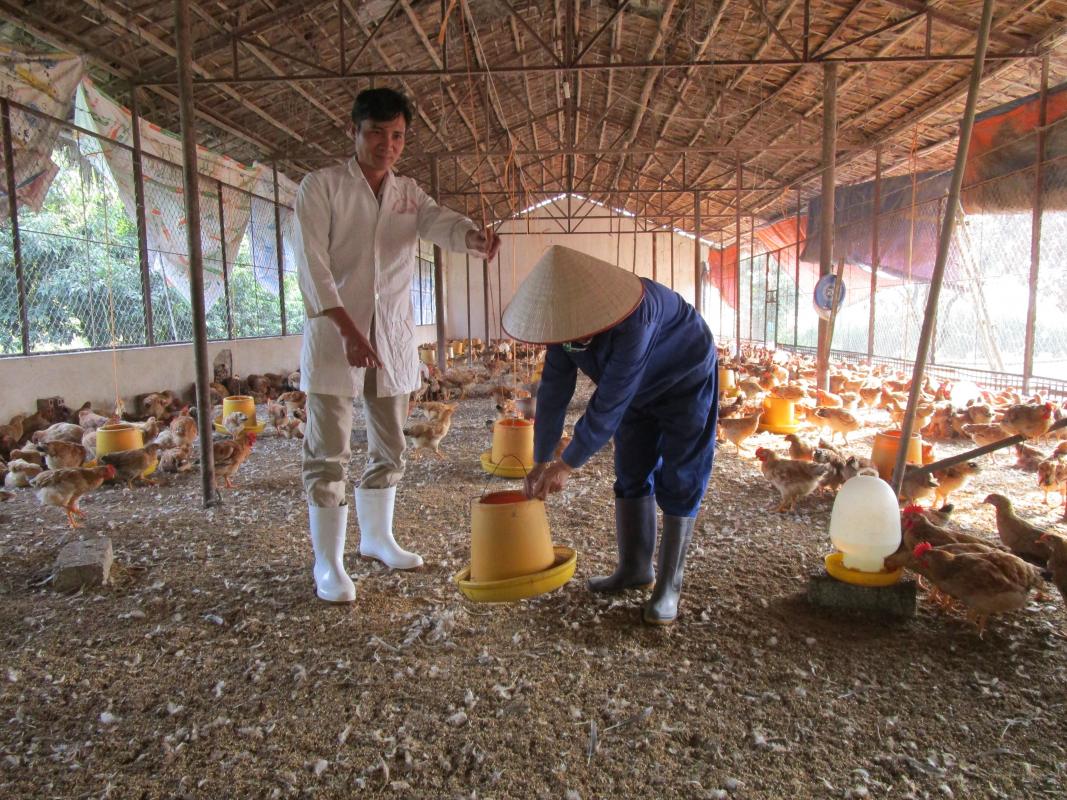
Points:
(31, 454)
(1020, 536)
(181, 432)
(561, 445)
(155, 404)
(789, 392)
(294, 400)
(20, 473)
(1057, 562)
(291, 427)
(792, 479)
(175, 459)
(132, 464)
(89, 443)
(982, 435)
(986, 583)
(429, 434)
(799, 449)
(230, 454)
(1052, 475)
(738, 429)
(835, 475)
(1031, 421)
(462, 379)
(234, 422)
(149, 429)
(916, 485)
(64, 487)
(976, 414)
(869, 395)
(293, 379)
(838, 421)
(732, 409)
(1028, 457)
(13, 429)
(828, 399)
(952, 479)
(60, 454)
(90, 420)
(277, 413)
(59, 432)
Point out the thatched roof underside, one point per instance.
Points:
(521, 102)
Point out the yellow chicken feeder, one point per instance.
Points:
(778, 416)
(512, 556)
(115, 438)
(512, 442)
(247, 406)
(885, 448)
(727, 382)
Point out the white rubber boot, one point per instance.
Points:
(374, 510)
(328, 526)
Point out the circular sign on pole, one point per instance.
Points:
(823, 297)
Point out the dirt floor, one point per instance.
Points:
(209, 669)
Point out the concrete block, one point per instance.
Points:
(897, 600)
(86, 562)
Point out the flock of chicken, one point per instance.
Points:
(986, 575)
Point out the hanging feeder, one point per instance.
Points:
(512, 452)
(885, 448)
(779, 416)
(247, 406)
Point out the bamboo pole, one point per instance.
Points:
(196, 256)
(948, 226)
(876, 210)
(439, 276)
(13, 214)
(737, 281)
(1035, 230)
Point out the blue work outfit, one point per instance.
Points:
(656, 392)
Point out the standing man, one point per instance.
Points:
(358, 225)
(654, 364)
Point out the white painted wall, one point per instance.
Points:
(523, 242)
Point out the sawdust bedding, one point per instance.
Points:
(209, 669)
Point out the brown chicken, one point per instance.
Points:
(1052, 475)
(230, 454)
(131, 465)
(428, 435)
(1022, 538)
(917, 485)
(918, 525)
(60, 454)
(828, 399)
(59, 432)
(986, 583)
(982, 435)
(294, 400)
(462, 379)
(838, 421)
(1032, 421)
(181, 432)
(738, 429)
(792, 479)
(1028, 457)
(869, 395)
(732, 409)
(20, 473)
(28, 453)
(952, 479)
(234, 422)
(64, 487)
(799, 449)
(175, 459)
(835, 475)
(1057, 562)
(789, 392)
(90, 420)
(277, 413)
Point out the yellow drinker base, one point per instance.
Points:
(835, 565)
(781, 430)
(511, 470)
(522, 587)
(251, 427)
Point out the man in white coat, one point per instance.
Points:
(358, 225)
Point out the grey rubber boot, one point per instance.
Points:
(635, 536)
(662, 607)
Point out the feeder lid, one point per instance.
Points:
(570, 295)
(522, 587)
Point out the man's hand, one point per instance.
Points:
(485, 242)
(358, 351)
(546, 479)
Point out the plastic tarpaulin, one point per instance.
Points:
(909, 222)
(46, 83)
(998, 177)
(722, 273)
(262, 228)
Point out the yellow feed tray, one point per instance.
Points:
(781, 430)
(253, 427)
(835, 565)
(145, 474)
(502, 470)
(512, 589)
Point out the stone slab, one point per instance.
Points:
(898, 600)
(84, 563)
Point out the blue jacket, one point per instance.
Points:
(662, 347)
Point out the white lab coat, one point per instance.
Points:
(355, 253)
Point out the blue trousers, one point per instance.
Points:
(668, 449)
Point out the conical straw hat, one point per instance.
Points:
(570, 295)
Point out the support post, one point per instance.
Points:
(469, 335)
(826, 229)
(142, 225)
(13, 214)
(655, 275)
(698, 277)
(672, 254)
(876, 211)
(196, 257)
(225, 266)
(948, 226)
(1035, 230)
(796, 277)
(439, 276)
(737, 273)
(279, 252)
(485, 299)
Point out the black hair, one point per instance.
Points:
(381, 105)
